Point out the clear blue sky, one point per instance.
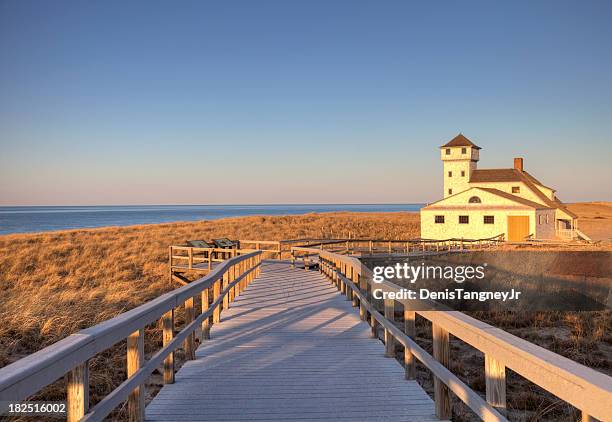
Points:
(114, 102)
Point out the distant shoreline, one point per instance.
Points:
(595, 219)
(37, 219)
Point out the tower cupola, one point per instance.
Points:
(459, 156)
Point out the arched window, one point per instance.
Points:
(474, 200)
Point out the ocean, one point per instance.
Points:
(48, 218)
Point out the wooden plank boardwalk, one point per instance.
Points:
(291, 348)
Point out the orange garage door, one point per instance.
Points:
(518, 227)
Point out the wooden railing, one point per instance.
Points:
(587, 390)
(279, 249)
(377, 246)
(70, 356)
(272, 247)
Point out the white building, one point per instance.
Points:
(483, 203)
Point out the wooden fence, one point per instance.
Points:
(586, 389)
(70, 356)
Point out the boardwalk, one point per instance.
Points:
(291, 348)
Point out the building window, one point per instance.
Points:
(463, 150)
(464, 219)
(516, 189)
(439, 219)
(450, 174)
(450, 191)
(447, 151)
(546, 218)
(541, 219)
(474, 200)
(462, 173)
(489, 219)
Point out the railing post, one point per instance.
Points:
(170, 263)
(373, 326)
(135, 359)
(77, 389)
(345, 287)
(348, 274)
(216, 294)
(495, 380)
(205, 321)
(355, 279)
(410, 331)
(363, 287)
(168, 335)
(230, 280)
(441, 352)
(389, 340)
(189, 344)
(190, 254)
(225, 284)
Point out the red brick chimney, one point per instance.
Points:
(518, 164)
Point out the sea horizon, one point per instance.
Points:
(44, 218)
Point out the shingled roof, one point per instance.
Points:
(460, 141)
(515, 198)
(495, 175)
(514, 175)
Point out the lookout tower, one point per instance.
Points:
(459, 156)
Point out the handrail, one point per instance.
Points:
(284, 246)
(584, 388)
(71, 355)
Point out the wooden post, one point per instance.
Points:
(363, 287)
(441, 352)
(348, 274)
(355, 279)
(371, 244)
(189, 344)
(225, 284)
(216, 294)
(410, 330)
(280, 250)
(495, 379)
(233, 277)
(77, 389)
(170, 261)
(190, 254)
(168, 335)
(205, 321)
(230, 280)
(373, 326)
(389, 340)
(135, 359)
(210, 254)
